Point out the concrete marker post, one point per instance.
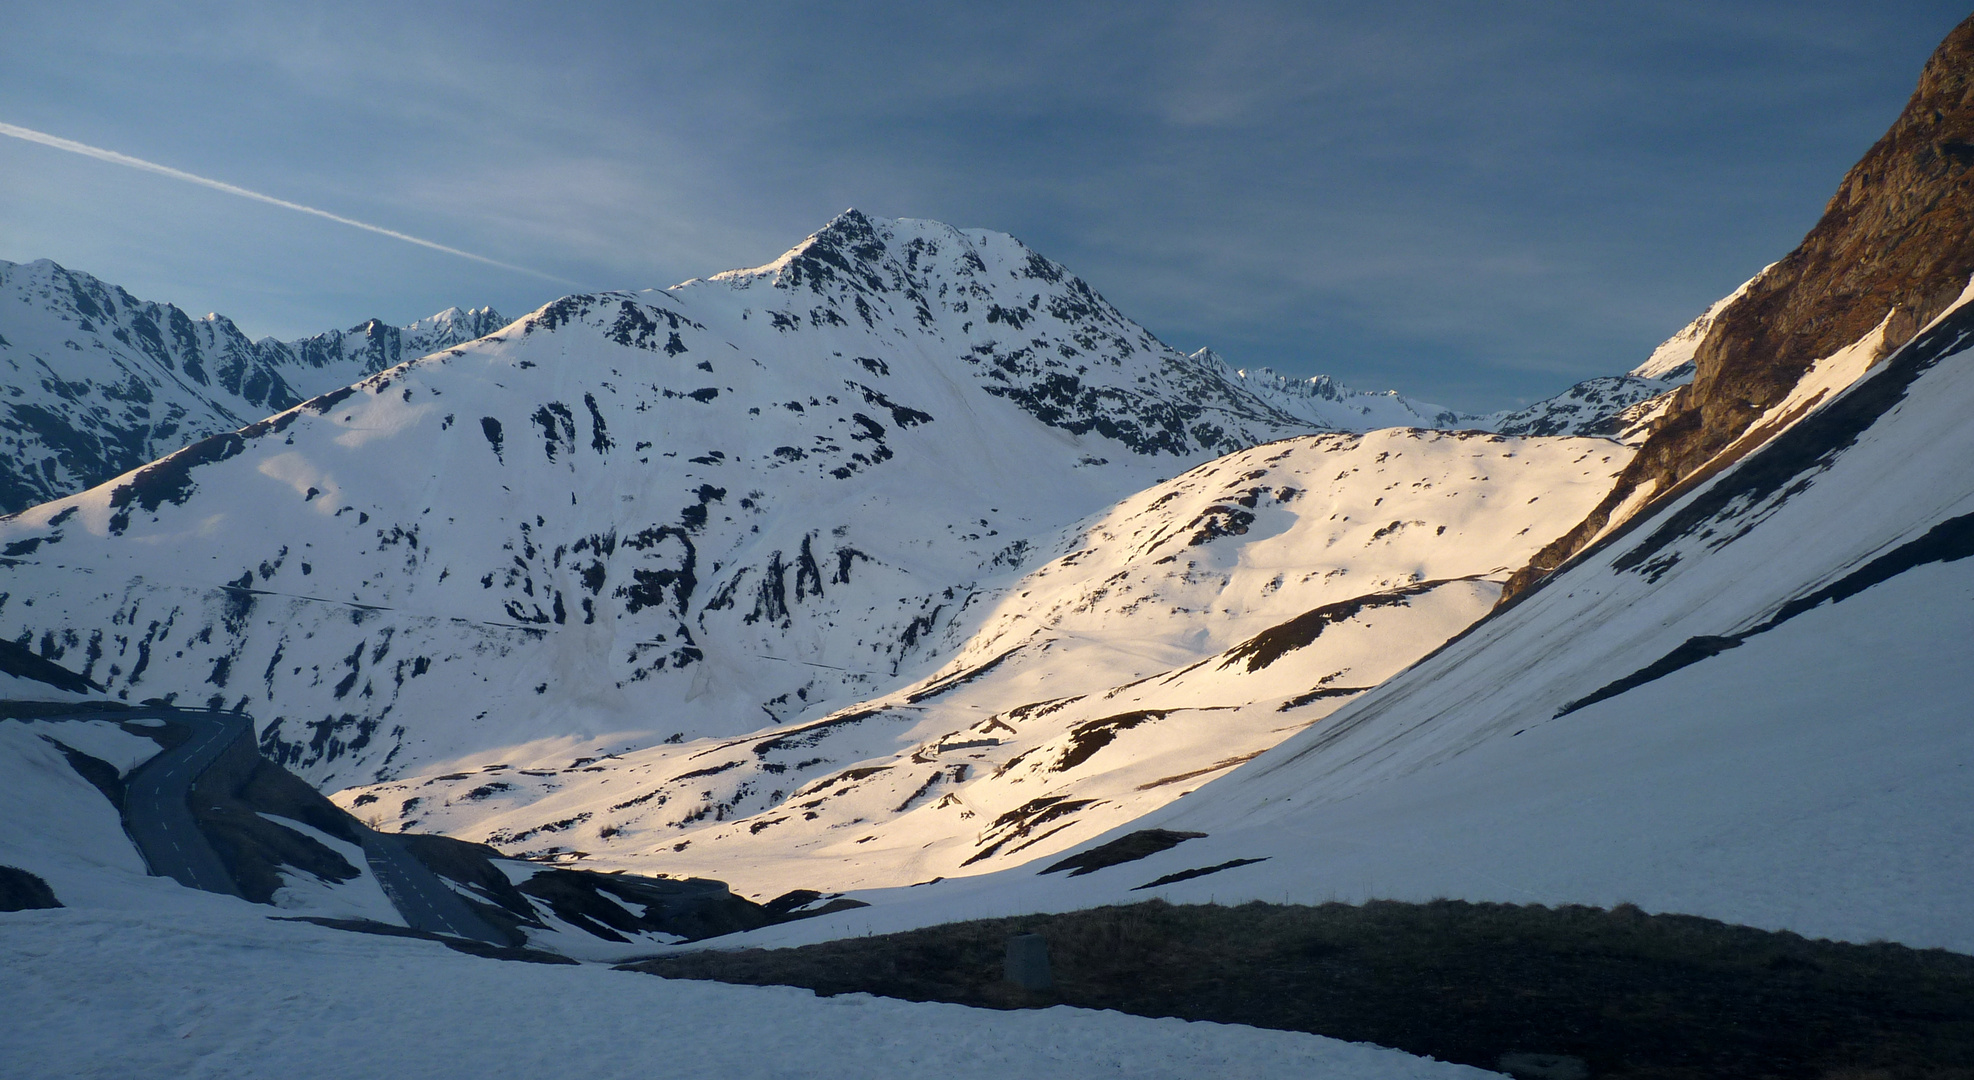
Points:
(1028, 962)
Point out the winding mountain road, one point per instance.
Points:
(426, 902)
(157, 814)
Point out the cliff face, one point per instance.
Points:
(1895, 245)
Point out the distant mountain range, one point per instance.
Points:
(692, 511)
(682, 514)
(904, 581)
(1614, 406)
(95, 382)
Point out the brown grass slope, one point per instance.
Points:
(1634, 996)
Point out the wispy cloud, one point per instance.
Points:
(111, 156)
(1475, 204)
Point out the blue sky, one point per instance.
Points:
(1475, 204)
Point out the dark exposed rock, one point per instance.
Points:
(18, 661)
(228, 802)
(485, 950)
(1198, 872)
(21, 890)
(688, 907)
(1090, 736)
(102, 775)
(1273, 643)
(1127, 848)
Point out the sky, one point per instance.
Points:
(1474, 204)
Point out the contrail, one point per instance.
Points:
(115, 158)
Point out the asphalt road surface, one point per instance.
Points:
(426, 902)
(158, 816)
(155, 810)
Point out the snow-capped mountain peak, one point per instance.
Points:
(689, 511)
(97, 382)
(1672, 361)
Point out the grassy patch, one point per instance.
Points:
(1633, 995)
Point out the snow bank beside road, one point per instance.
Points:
(109, 994)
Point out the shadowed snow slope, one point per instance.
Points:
(188, 991)
(95, 382)
(1749, 704)
(1156, 645)
(744, 500)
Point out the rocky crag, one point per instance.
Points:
(1894, 249)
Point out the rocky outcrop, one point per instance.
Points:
(1895, 247)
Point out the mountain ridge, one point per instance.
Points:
(686, 488)
(1622, 406)
(98, 382)
(1893, 249)
(1742, 697)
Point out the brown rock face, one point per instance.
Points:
(1896, 240)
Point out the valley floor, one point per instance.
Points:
(200, 991)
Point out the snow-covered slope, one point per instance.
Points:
(183, 990)
(1152, 647)
(26, 676)
(1747, 704)
(1737, 689)
(744, 500)
(1672, 361)
(1616, 406)
(94, 382)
